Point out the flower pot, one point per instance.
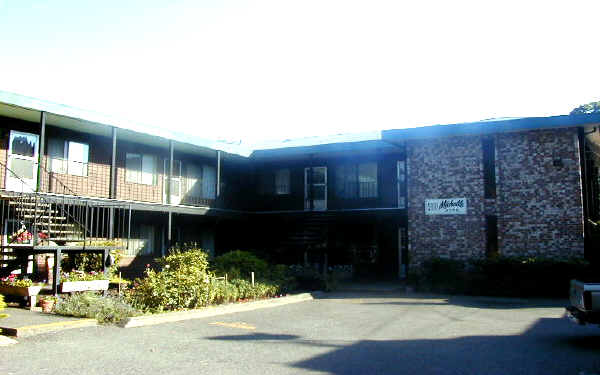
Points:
(22, 291)
(47, 305)
(81, 286)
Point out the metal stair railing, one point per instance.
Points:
(70, 213)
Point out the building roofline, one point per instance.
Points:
(492, 126)
(61, 110)
(299, 146)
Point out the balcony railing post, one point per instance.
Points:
(35, 211)
(85, 213)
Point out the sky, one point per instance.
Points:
(278, 69)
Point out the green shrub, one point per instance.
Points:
(443, 275)
(239, 264)
(308, 277)
(282, 276)
(92, 305)
(525, 277)
(501, 276)
(2, 306)
(182, 283)
(89, 262)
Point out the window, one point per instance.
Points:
(209, 182)
(274, 182)
(68, 157)
(489, 168)
(491, 225)
(265, 183)
(356, 181)
(140, 169)
(282, 181)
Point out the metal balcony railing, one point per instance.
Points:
(38, 219)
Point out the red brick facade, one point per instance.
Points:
(538, 202)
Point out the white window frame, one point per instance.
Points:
(282, 181)
(135, 176)
(67, 164)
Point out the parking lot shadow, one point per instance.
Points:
(536, 351)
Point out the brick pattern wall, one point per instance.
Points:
(539, 205)
(97, 181)
(445, 168)
(136, 191)
(140, 192)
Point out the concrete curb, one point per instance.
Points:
(37, 329)
(5, 341)
(169, 317)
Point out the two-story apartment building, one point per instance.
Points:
(383, 201)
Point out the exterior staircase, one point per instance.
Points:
(312, 229)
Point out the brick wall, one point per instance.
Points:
(136, 191)
(445, 168)
(538, 204)
(97, 181)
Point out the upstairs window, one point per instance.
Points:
(274, 183)
(489, 167)
(140, 169)
(282, 181)
(354, 181)
(68, 157)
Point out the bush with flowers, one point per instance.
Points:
(14, 280)
(23, 236)
(184, 282)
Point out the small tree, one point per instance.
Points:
(585, 109)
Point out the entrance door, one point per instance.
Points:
(176, 182)
(22, 162)
(315, 188)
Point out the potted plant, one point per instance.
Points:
(79, 281)
(13, 286)
(47, 303)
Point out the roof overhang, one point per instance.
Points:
(492, 127)
(30, 109)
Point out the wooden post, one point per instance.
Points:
(169, 230)
(105, 255)
(218, 187)
(41, 149)
(168, 189)
(56, 280)
(252, 273)
(113, 166)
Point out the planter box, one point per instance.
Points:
(22, 291)
(82, 286)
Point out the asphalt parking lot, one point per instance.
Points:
(342, 333)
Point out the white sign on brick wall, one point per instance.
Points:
(446, 206)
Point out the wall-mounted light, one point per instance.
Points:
(557, 162)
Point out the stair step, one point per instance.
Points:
(62, 232)
(43, 225)
(34, 209)
(14, 202)
(44, 217)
